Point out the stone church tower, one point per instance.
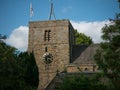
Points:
(51, 41)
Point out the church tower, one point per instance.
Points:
(51, 41)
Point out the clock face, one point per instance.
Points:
(48, 58)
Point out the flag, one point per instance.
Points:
(31, 10)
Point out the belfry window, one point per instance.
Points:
(47, 35)
(46, 49)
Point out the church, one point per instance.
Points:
(53, 44)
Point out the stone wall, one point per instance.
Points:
(73, 68)
(83, 58)
(59, 46)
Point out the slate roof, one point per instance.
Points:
(85, 54)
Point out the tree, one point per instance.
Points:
(3, 36)
(108, 56)
(18, 71)
(29, 69)
(84, 82)
(9, 71)
(81, 38)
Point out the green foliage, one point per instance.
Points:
(81, 38)
(17, 71)
(29, 68)
(9, 71)
(84, 83)
(108, 56)
(3, 36)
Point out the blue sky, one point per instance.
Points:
(15, 14)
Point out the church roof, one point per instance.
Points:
(86, 54)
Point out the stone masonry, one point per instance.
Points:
(56, 38)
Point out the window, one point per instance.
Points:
(47, 35)
(86, 69)
(46, 49)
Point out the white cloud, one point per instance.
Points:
(92, 29)
(19, 38)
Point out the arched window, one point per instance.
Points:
(86, 69)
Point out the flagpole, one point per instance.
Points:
(51, 11)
